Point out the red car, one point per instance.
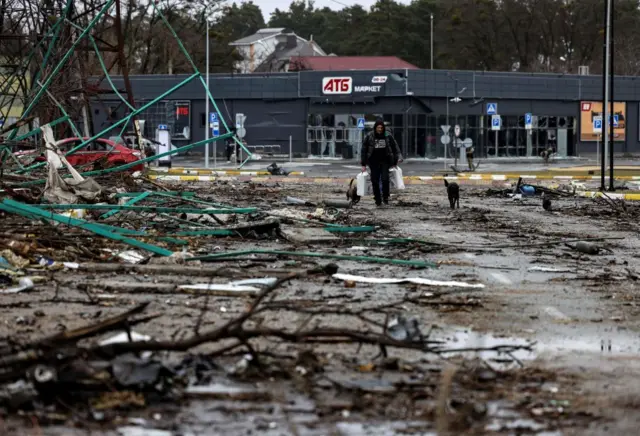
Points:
(100, 153)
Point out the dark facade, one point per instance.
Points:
(412, 102)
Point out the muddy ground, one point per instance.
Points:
(571, 320)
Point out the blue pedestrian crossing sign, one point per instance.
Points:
(492, 108)
(214, 125)
(162, 127)
(361, 123)
(528, 121)
(615, 121)
(496, 122)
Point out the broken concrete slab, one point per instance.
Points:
(307, 235)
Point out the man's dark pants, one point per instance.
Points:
(380, 170)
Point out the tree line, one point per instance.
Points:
(499, 35)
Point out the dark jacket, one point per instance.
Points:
(393, 150)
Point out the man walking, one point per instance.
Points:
(380, 152)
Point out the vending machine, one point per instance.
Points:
(163, 137)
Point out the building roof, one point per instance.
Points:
(293, 46)
(260, 35)
(329, 63)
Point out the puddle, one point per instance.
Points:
(607, 344)
(502, 417)
(381, 429)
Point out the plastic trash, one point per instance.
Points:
(294, 200)
(395, 178)
(131, 256)
(587, 248)
(404, 329)
(339, 204)
(124, 337)
(45, 261)
(14, 259)
(527, 190)
(415, 280)
(362, 182)
(24, 284)
(20, 248)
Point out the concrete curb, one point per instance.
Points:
(198, 172)
(300, 180)
(500, 177)
(612, 195)
(208, 175)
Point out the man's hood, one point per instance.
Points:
(379, 123)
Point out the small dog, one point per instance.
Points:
(546, 154)
(352, 192)
(546, 203)
(453, 192)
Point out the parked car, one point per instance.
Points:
(100, 153)
(131, 141)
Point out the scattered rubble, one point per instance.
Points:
(124, 295)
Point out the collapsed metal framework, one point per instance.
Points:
(48, 54)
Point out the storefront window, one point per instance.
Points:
(420, 135)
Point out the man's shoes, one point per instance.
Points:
(386, 201)
(378, 204)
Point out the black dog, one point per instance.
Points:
(352, 192)
(546, 154)
(453, 192)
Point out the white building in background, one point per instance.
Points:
(269, 50)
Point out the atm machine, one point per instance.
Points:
(163, 137)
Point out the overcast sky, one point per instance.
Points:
(268, 6)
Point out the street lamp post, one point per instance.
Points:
(432, 41)
(206, 97)
(607, 118)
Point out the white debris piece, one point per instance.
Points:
(415, 280)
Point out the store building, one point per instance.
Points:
(323, 112)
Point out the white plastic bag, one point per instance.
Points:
(362, 182)
(395, 178)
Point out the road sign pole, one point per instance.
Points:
(448, 124)
(206, 97)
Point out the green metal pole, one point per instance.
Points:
(106, 73)
(232, 254)
(132, 164)
(36, 131)
(191, 200)
(76, 131)
(57, 26)
(60, 64)
(114, 229)
(55, 29)
(128, 203)
(203, 81)
(121, 207)
(125, 120)
(30, 210)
